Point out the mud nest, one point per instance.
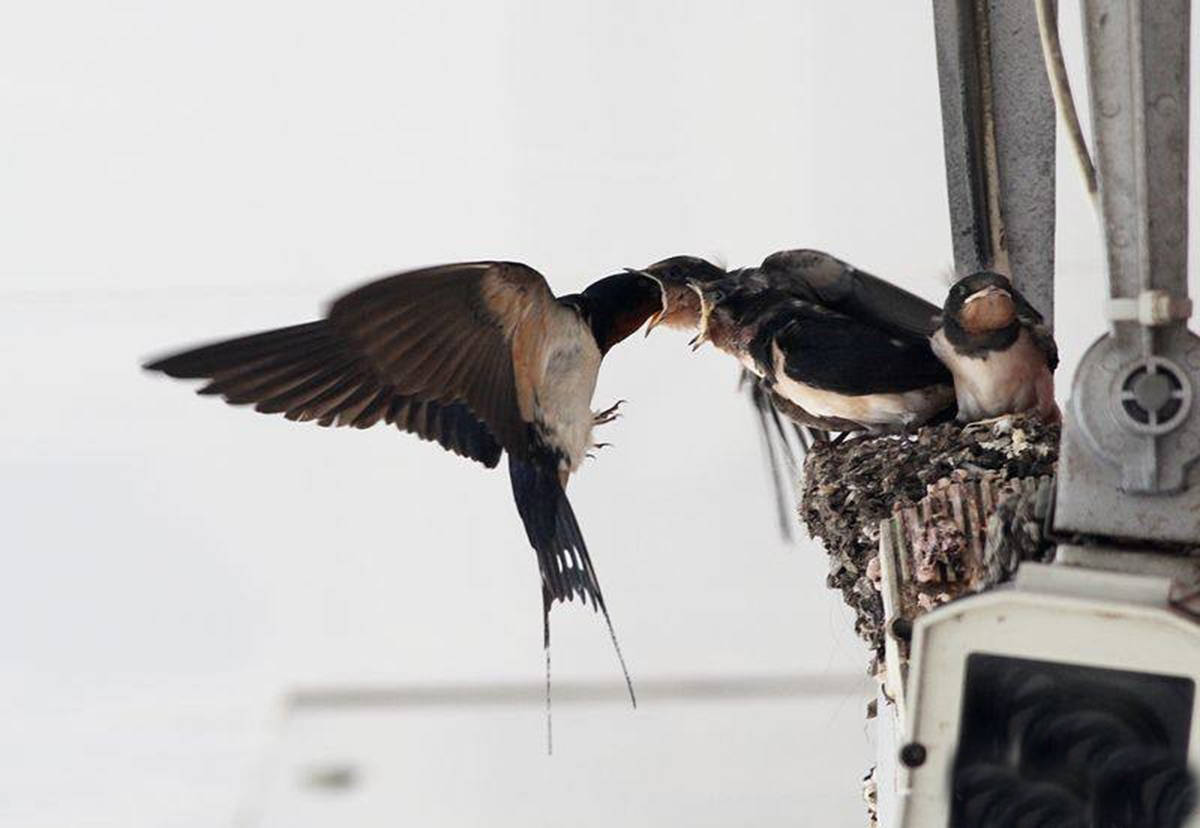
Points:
(849, 487)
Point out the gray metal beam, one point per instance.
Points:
(998, 128)
(1137, 55)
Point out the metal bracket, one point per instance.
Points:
(1150, 308)
(1131, 427)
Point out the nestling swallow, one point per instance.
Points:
(823, 281)
(843, 372)
(677, 278)
(999, 349)
(680, 308)
(853, 318)
(480, 357)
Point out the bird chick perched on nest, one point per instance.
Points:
(836, 348)
(999, 349)
(845, 370)
(879, 368)
(680, 303)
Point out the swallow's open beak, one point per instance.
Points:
(706, 308)
(653, 321)
(657, 316)
(990, 290)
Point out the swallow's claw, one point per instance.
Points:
(607, 415)
(988, 424)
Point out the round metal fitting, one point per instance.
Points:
(1152, 396)
(913, 755)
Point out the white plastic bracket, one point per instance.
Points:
(1150, 307)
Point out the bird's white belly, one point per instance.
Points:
(997, 382)
(898, 409)
(563, 403)
(901, 408)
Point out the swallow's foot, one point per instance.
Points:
(1004, 420)
(607, 415)
(591, 455)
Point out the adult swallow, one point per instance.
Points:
(999, 349)
(481, 358)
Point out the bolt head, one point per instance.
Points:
(912, 755)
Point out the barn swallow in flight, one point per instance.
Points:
(481, 358)
(999, 349)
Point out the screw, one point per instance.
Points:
(912, 755)
(902, 628)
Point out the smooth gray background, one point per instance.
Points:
(173, 172)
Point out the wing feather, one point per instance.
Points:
(448, 336)
(1043, 337)
(429, 351)
(829, 351)
(826, 280)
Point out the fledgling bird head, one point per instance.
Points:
(981, 303)
(724, 304)
(680, 303)
(708, 295)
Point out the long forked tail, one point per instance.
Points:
(562, 555)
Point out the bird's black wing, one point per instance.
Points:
(1032, 321)
(430, 351)
(832, 283)
(1044, 340)
(833, 352)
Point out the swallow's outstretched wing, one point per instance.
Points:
(429, 351)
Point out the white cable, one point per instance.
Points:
(1060, 85)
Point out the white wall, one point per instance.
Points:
(179, 171)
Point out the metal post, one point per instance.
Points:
(998, 127)
(1111, 622)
